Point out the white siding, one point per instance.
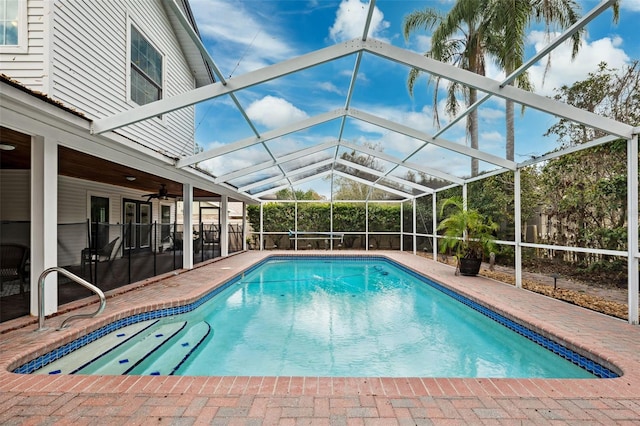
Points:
(73, 209)
(73, 199)
(29, 67)
(90, 63)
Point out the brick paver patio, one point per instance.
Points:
(42, 399)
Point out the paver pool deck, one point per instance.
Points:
(68, 399)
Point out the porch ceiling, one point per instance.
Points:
(83, 166)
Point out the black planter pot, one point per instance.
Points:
(469, 266)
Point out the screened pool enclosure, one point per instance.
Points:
(378, 176)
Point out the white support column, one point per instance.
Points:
(632, 227)
(401, 225)
(464, 196)
(295, 224)
(261, 226)
(464, 206)
(187, 226)
(244, 226)
(366, 226)
(518, 226)
(415, 227)
(331, 225)
(44, 222)
(434, 225)
(224, 226)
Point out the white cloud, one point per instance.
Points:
(423, 43)
(329, 87)
(243, 41)
(491, 114)
(632, 5)
(236, 160)
(274, 112)
(351, 18)
(564, 71)
(491, 140)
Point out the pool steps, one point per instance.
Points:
(131, 349)
(72, 362)
(174, 355)
(125, 357)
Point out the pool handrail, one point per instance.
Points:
(77, 279)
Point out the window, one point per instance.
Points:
(165, 223)
(99, 221)
(137, 220)
(13, 25)
(146, 70)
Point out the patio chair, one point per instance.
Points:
(13, 264)
(97, 255)
(176, 242)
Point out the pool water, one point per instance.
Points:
(356, 318)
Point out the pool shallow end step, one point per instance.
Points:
(169, 359)
(133, 349)
(88, 353)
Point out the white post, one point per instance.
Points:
(331, 225)
(224, 226)
(434, 225)
(187, 226)
(244, 226)
(464, 207)
(401, 225)
(366, 225)
(632, 227)
(518, 227)
(261, 226)
(464, 196)
(295, 224)
(44, 222)
(415, 227)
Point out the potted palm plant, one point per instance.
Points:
(468, 233)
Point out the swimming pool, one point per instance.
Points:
(365, 317)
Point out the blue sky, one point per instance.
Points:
(243, 36)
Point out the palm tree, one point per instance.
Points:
(511, 19)
(468, 51)
(497, 28)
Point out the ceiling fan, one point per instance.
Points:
(162, 194)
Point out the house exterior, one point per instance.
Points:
(64, 64)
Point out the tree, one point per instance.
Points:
(298, 194)
(609, 92)
(588, 209)
(496, 28)
(510, 21)
(350, 189)
(466, 18)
